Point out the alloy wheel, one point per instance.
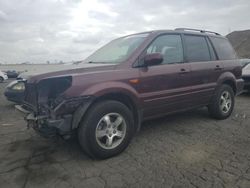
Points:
(110, 131)
(225, 102)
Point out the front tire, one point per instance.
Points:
(106, 130)
(223, 103)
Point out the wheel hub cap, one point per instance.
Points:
(110, 131)
(225, 102)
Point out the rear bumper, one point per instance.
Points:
(239, 86)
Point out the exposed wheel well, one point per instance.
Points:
(126, 100)
(231, 84)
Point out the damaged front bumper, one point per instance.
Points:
(47, 127)
(55, 122)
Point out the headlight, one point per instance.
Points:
(20, 86)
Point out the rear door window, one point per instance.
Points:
(196, 48)
(223, 48)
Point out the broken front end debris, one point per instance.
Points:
(50, 112)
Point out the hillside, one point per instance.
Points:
(241, 42)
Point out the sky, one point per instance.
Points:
(38, 31)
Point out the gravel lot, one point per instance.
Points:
(184, 150)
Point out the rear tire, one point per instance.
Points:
(1, 79)
(223, 103)
(106, 130)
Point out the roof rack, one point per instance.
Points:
(198, 30)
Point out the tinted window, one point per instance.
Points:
(211, 50)
(170, 46)
(197, 48)
(223, 48)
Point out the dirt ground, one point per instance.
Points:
(184, 150)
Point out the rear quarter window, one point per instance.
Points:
(223, 48)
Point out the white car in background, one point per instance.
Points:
(3, 76)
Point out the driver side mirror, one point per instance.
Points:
(153, 59)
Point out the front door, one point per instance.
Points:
(165, 88)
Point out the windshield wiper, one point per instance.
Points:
(99, 62)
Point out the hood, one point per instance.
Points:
(67, 70)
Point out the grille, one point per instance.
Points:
(30, 96)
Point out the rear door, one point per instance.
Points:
(163, 88)
(205, 68)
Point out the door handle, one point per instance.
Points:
(218, 67)
(184, 71)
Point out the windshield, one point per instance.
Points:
(117, 50)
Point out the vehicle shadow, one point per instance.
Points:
(245, 94)
(40, 153)
(57, 150)
(179, 123)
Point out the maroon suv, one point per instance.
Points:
(132, 79)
